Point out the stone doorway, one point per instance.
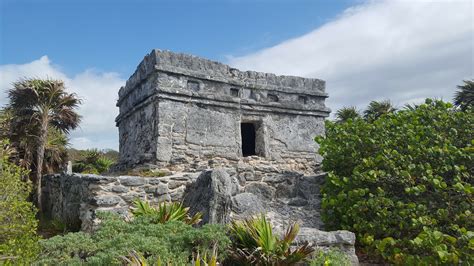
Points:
(248, 134)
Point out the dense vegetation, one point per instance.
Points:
(92, 161)
(18, 239)
(164, 234)
(403, 182)
(173, 241)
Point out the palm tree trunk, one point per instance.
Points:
(39, 162)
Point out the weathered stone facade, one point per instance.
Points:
(187, 113)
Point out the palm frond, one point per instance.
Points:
(346, 113)
(378, 108)
(464, 97)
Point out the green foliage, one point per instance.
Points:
(332, 257)
(404, 183)
(92, 161)
(205, 259)
(36, 106)
(115, 239)
(55, 151)
(464, 97)
(254, 243)
(165, 212)
(378, 108)
(346, 113)
(18, 239)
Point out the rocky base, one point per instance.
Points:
(221, 195)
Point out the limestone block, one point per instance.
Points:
(246, 205)
(211, 195)
(261, 190)
(106, 200)
(344, 240)
(132, 181)
(120, 189)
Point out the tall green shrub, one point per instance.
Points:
(404, 183)
(18, 239)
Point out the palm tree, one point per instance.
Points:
(464, 97)
(40, 105)
(346, 113)
(377, 109)
(55, 151)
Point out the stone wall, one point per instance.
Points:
(74, 199)
(223, 194)
(178, 110)
(257, 186)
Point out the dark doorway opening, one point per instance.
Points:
(247, 131)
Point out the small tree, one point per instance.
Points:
(38, 105)
(18, 239)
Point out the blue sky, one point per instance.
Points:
(115, 35)
(401, 50)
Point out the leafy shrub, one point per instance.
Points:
(165, 212)
(404, 183)
(254, 243)
(115, 238)
(92, 161)
(18, 239)
(332, 257)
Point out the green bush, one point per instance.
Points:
(91, 161)
(115, 239)
(18, 239)
(404, 183)
(254, 243)
(332, 257)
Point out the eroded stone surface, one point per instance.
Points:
(184, 113)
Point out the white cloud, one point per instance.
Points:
(398, 49)
(97, 90)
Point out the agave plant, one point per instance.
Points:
(134, 259)
(204, 260)
(165, 212)
(254, 243)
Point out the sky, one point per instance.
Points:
(402, 50)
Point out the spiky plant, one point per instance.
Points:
(134, 258)
(378, 108)
(464, 97)
(205, 260)
(346, 113)
(165, 212)
(254, 243)
(40, 104)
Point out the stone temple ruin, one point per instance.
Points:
(227, 143)
(186, 113)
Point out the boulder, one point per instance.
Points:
(343, 240)
(211, 195)
(245, 205)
